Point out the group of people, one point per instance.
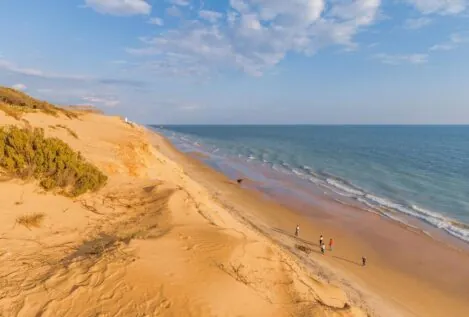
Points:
(322, 245)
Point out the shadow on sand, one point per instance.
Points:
(346, 260)
(291, 235)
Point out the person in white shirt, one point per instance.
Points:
(297, 230)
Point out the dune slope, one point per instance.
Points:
(152, 242)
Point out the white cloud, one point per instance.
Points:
(181, 3)
(256, 35)
(101, 101)
(444, 7)
(211, 16)
(418, 23)
(19, 87)
(443, 47)
(119, 7)
(454, 41)
(397, 59)
(156, 21)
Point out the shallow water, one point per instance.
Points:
(418, 171)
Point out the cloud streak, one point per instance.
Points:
(101, 101)
(443, 7)
(454, 41)
(12, 67)
(33, 72)
(398, 59)
(119, 7)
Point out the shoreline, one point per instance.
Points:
(234, 168)
(439, 283)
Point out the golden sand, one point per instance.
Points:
(167, 236)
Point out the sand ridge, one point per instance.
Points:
(153, 242)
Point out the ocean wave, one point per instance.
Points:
(299, 173)
(344, 187)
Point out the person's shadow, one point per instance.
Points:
(346, 260)
(293, 236)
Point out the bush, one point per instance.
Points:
(28, 153)
(15, 103)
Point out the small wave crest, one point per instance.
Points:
(344, 187)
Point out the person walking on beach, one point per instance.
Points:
(363, 261)
(323, 248)
(321, 240)
(297, 230)
(331, 243)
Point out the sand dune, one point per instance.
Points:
(152, 242)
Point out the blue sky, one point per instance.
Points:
(243, 61)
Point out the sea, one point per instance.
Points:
(418, 172)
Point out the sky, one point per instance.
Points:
(244, 61)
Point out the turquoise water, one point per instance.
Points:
(420, 171)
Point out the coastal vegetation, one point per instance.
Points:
(15, 104)
(27, 153)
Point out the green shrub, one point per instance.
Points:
(28, 153)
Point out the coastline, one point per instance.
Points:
(170, 236)
(407, 269)
(389, 190)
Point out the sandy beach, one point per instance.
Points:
(169, 236)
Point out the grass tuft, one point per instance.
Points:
(28, 153)
(70, 131)
(31, 220)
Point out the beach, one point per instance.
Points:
(407, 269)
(170, 236)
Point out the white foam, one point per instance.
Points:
(298, 173)
(435, 219)
(344, 187)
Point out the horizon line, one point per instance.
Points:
(316, 124)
